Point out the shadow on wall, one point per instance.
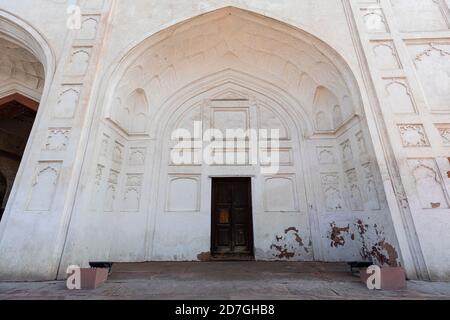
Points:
(2, 194)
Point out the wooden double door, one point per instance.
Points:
(232, 230)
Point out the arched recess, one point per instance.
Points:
(253, 48)
(20, 33)
(27, 66)
(258, 63)
(250, 103)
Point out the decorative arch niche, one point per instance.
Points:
(30, 56)
(257, 72)
(233, 39)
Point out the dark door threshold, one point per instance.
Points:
(232, 257)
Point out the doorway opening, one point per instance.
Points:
(232, 227)
(17, 115)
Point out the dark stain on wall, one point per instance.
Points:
(286, 245)
(337, 235)
(290, 229)
(204, 256)
(385, 254)
(435, 205)
(374, 245)
(283, 252)
(381, 252)
(362, 228)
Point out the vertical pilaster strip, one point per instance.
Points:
(96, 22)
(42, 205)
(404, 226)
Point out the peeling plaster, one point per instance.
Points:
(435, 205)
(204, 256)
(337, 239)
(381, 252)
(287, 245)
(385, 254)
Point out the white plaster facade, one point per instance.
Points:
(359, 89)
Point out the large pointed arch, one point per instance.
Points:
(301, 60)
(18, 31)
(293, 75)
(18, 34)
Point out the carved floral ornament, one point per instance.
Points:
(445, 134)
(431, 47)
(413, 135)
(58, 139)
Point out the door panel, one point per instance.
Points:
(231, 217)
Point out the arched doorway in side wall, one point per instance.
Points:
(21, 86)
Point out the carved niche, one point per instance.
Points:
(355, 198)
(280, 195)
(97, 187)
(346, 149)
(110, 196)
(386, 55)
(444, 132)
(374, 20)
(362, 146)
(132, 195)
(428, 183)
(67, 101)
(432, 61)
(370, 186)
(332, 192)
(104, 145)
(89, 27)
(117, 155)
(137, 156)
(326, 155)
(44, 186)
(79, 61)
(328, 112)
(183, 193)
(57, 139)
(400, 97)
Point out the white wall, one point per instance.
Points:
(224, 67)
(404, 124)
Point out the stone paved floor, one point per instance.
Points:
(227, 280)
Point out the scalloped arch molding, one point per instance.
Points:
(306, 68)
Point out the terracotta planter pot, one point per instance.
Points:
(92, 278)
